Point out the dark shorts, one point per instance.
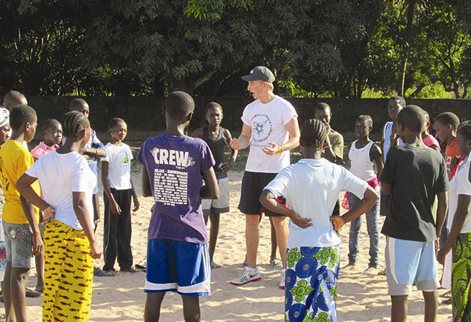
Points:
(252, 187)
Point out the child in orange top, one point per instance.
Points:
(445, 126)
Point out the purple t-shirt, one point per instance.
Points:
(175, 165)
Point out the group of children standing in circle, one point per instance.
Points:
(50, 201)
(183, 172)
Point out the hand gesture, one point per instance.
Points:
(136, 203)
(300, 221)
(95, 253)
(441, 255)
(235, 144)
(48, 215)
(37, 244)
(225, 167)
(337, 222)
(115, 208)
(271, 149)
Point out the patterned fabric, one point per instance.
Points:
(68, 274)
(311, 284)
(461, 284)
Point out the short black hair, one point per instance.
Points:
(115, 121)
(15, 96)
(366, 119)
(77, 103)
(465, 129)
(313, 133)
(74, 122)
(399, 99)
(213, 105)
(50, 123)
(20, 115)
(178, 105)
(412, 117)
(321, 106)
(448, 118)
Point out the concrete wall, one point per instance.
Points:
(144, 114)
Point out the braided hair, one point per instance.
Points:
(465, 129)
(313, 133)
(74, 122)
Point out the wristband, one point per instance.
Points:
(280, 149)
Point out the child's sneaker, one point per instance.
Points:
(282, 279)
(248, 275)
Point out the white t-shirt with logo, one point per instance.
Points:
(59, 175)
(119, 169)
(267, 122)
(311, 188)
(459, 185)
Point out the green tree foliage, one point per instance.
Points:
(339, 48)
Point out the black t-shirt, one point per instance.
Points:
(416, 174)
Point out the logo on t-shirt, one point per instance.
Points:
(261, 128)
(179, 159)
(124, 158)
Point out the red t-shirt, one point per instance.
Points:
(451, 152)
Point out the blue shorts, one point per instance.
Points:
(178, 266)
(409, 262)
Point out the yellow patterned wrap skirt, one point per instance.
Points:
(68, 274)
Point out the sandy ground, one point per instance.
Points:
(362, 297)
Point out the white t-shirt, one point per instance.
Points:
(59, 175)
(267, 122)
(119, 169)
(459, 185)
(311, 188)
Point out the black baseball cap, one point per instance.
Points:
(260, 73)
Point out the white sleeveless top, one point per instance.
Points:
(361, 165)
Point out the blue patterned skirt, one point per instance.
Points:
(311, 284)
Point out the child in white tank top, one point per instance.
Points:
(366, 164)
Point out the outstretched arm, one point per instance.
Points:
(244, 138)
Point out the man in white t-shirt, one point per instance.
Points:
(270, 128)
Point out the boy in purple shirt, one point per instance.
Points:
(174, 166)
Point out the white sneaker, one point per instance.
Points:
(282, 279)
(248, 275)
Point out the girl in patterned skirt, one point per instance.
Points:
(311, 187)
(70, 245)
